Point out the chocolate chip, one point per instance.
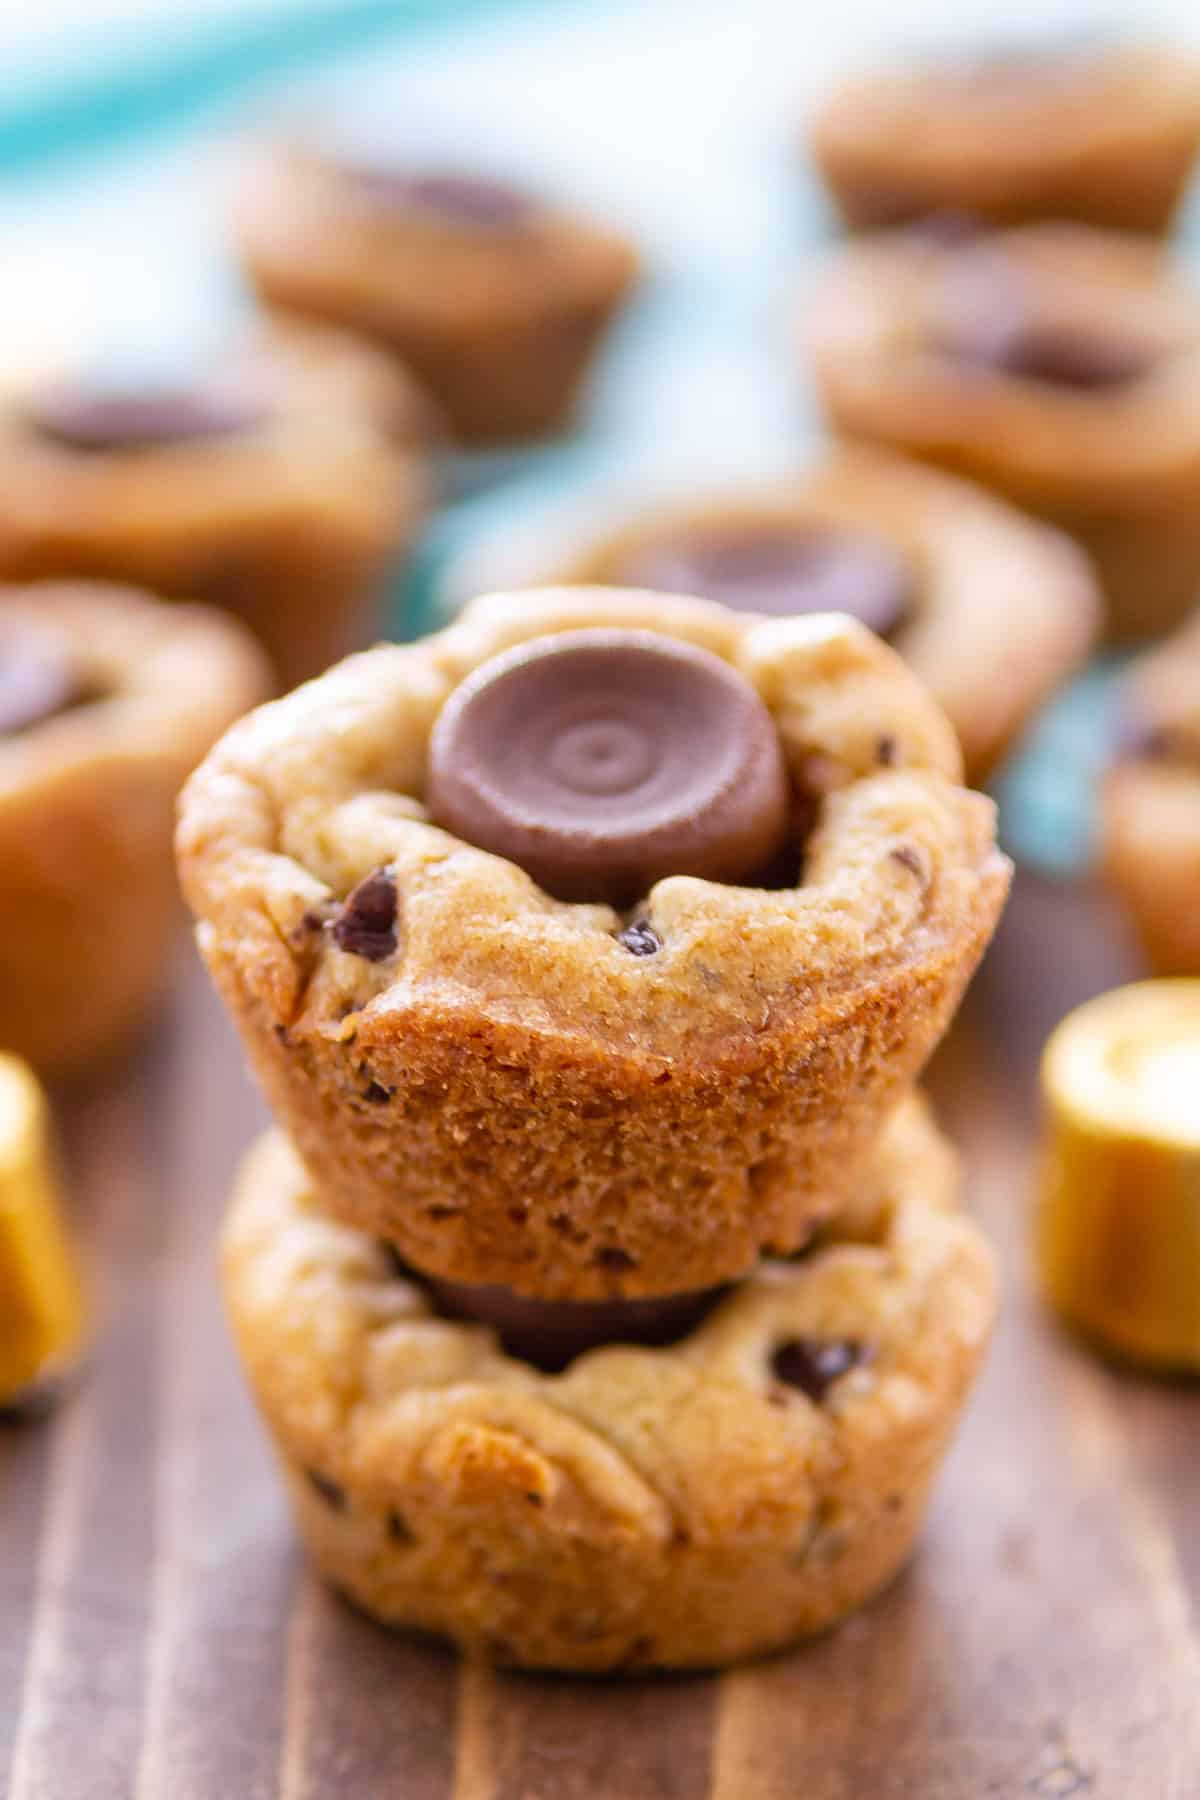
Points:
(398, 1529)
(909, 857)
(377, 1094)
(813, 1364)
(640, 938)
(333, 1495)
(93, 417)
(886, 751)
(366, 925)
(611, 1256)
(602, 761)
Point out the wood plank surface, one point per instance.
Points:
(160, 1638)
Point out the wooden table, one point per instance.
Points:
(160, 1638)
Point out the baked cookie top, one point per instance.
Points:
(991, 609)
(94, 674)
(427, 247)
(297, 421)
(309, 855)
(1052, 359)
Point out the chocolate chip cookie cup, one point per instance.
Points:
(497, 300)
(991, 611)
(1087, 129)
(107, 700)
(280, 483)
(682, 1506)
(1054, 364)
(1150, 804)
(635, 1072)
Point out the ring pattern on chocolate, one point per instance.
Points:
(35, 681)
(781, 569)
(96, 416)
(602, 761)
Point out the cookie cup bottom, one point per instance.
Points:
(676, 1507)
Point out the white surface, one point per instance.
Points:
(676, 118)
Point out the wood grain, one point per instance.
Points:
(159, 1638)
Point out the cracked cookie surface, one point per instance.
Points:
(682, 1506)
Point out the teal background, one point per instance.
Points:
(119, 126)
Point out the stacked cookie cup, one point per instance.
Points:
(604, 1288)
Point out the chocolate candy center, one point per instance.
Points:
(87, 416)
(602, 761)
(989, 320)
(550, 1334)
(1137, 741)
(35, 682)
(475, 201)
(781, 569)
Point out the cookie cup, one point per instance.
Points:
(506, 1092)
(290, 522)
(1115, 465)
(500, 323)
(88, 900)
(677, 1507)
(1001, 611)
(1103, 133)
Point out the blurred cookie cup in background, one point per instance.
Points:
(496, 299)
(1081, 127)
(1150, 803)
(42, 1309)
(991, 610)
(583, 947)
(107, 700)
(1055, 364)
(281, 481)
